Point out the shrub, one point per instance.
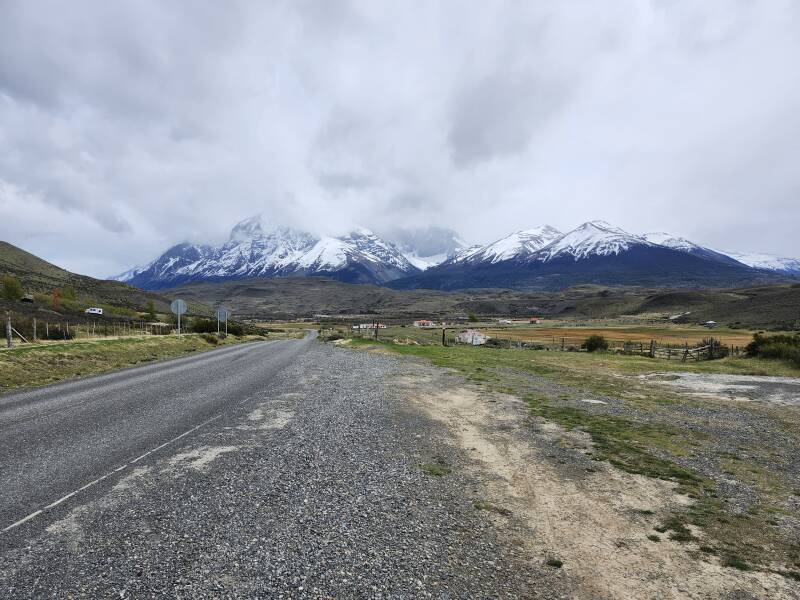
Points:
(594, 343)
(12, 288)
(235, 329)
(780, 346)
(210, 338)
(204, 326)
(472, 318)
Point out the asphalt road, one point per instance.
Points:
(278, 469)
(58, 438)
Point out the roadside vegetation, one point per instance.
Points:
(733, 459)
(34, 365)
(780, 346)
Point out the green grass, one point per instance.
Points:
(554, 562)
(436, 469)
(29, 366)
(651, 444)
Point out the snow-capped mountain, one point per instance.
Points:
(255, 250)
(361, 255)
(768, 262)
(518, 245)
(539, 258)
(593, 253)
(593, 238)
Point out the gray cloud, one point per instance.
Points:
(129, 126)
(498, 115)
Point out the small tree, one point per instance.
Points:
(68, 292)
(472, 317)
(595, 342)
(151, 310)
(12, 288)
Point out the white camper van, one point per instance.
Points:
(94, 311)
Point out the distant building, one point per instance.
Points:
(472, 337)
(710, 324)
(505, 321)
(425, 324)
(534, 320)
(369, 326)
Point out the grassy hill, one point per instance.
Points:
(41, 277)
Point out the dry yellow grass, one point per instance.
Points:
(663, 335)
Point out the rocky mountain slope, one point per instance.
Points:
(255, 251)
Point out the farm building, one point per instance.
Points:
(425, 324)
(369, 326)
(535, 320)
(472, 337)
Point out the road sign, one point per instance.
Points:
(223, 314)
(178, 307)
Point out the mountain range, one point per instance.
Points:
(540, 258)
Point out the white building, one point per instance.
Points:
(472, 337)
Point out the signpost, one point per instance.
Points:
(178, 307)
(222, 317)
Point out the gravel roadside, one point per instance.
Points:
(313, 487)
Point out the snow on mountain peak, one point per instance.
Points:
(593, 238)
(516, 245)
(252, 227)
(768, 262)
(661, 238)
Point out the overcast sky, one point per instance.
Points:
(126, 127)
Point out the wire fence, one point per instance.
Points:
(34, 330)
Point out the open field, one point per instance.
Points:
(575, 336)
(50, 362)
(552, 336)
(730, 451)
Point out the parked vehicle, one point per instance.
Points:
(94, 311)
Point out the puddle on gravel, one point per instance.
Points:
(743, 388)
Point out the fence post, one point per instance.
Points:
(34, 329)
(652, 348)
(9, 342)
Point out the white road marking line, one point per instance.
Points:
(36, 513)
(21, 521)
